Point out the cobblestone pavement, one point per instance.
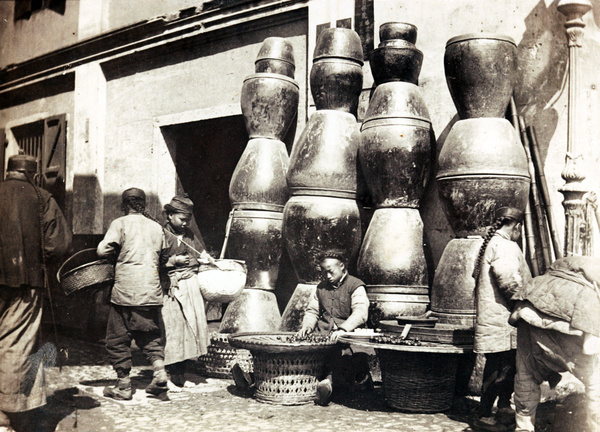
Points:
(76, 404)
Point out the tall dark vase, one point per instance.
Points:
(258, 188)
(480, 72)
(396, 156)
(322, 212)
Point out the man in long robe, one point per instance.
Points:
(29, 219)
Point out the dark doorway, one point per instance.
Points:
(205, 154)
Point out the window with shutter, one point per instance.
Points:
(46, 141)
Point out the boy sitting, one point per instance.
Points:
(340, 304)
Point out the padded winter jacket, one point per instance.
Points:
(503, 273)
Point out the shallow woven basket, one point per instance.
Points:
(221, 357)
(83, 270)
(224, 283)
(418, 381)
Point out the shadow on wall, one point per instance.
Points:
(542, 74)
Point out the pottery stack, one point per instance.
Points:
(396, 156)
(322, 212)
(258, 189)
(482, 165)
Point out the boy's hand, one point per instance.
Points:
(182, 260)
(336, 334)
(303, 332)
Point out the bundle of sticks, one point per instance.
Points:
(542, 243)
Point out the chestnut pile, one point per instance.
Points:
(395, 340)
(310, 338)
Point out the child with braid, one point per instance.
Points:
(500, 272)
(139, 245)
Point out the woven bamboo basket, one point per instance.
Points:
(418, 381)
(224, 283)
(83, 270)
(285, 373)
(221, 357)
(287, 378)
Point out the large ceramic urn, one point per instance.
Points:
(480, 71)
(482, 167)
(336, 76)
(322, 212)
(259, 179)
(392, 262)
(397, 144)
(396, 58)
(453, 290)
(258, 188)
(324, 159)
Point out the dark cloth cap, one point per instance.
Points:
(509, 213)
(22, 163)
(180, 204)
(134, 193)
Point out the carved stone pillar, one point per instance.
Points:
(576, 226)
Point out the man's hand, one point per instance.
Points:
(182, 260)
(336, 334)
(304, 332)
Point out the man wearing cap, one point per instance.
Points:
(138, 244)
(31, 223)
(500, 272)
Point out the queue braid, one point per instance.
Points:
(139, 206)
(495, 227)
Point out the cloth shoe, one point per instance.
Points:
(158, 385)
(488, 424)
(242, 379)
(324, 391)
(506, 416)
(121, 391)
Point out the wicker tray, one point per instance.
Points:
(275, 342)
(221, 357)
(285, 373)
(83, 270)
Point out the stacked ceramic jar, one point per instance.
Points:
(322, 212)
(396, 156)
(258, 189)
(482, 165)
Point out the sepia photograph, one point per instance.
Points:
(300, 215)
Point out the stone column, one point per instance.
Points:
(577, 232)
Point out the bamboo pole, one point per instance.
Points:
(539, 166)
(529, 232)
(539, 211)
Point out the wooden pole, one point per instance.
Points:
(539, 166)
(529, 232)
(539, 212)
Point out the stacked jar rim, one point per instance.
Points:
(272, 75)
(471, 36)
(339, 43)
(276, 48)
(390, 31)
